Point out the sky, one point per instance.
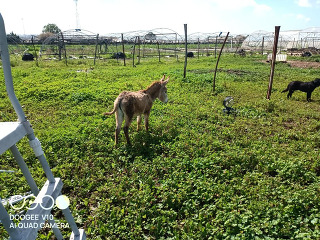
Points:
(120, 16)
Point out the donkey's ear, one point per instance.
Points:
(162, 79)
(166, 81)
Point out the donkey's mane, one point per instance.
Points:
(153, 89)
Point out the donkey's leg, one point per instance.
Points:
(128, 119)
(119, 120)
(146, 121)
(138, 122)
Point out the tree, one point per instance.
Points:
(13, 38)
(51, 28)
(43, 36)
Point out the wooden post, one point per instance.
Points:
(208, 46)
(158, 50)
(134, 51)
(34, 51)
(175, 48)
(95, 51)
(59, 47)
(198, 47)
(124, 55)
(186, 50)
(139, 50)
(63, 47)
(262, 45)
(215, 47)
(144, 46)
(273, 60)
(215, 71)
(117, 51)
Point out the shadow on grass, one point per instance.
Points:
(148, 145)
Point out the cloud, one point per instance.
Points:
(261, 9)
(304, 3)
(258, 9)
(301, 17)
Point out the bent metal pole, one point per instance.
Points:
(215, 71)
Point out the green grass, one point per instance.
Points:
(198, 174)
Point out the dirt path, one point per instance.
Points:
(301, 64)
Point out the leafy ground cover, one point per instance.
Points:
(199, 173)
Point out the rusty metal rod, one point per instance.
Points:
(273, 60)
(215, 71)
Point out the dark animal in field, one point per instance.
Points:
(241, 52)
(27, 57)
(190, 54)
(306, 54)
(307, 87)
(130, 104)
(118, 55)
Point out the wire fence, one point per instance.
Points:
(161, 43)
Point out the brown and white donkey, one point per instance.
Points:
(130, 104)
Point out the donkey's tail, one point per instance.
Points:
(116, 106)
(110, 113)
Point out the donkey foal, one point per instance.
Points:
(130, 104)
